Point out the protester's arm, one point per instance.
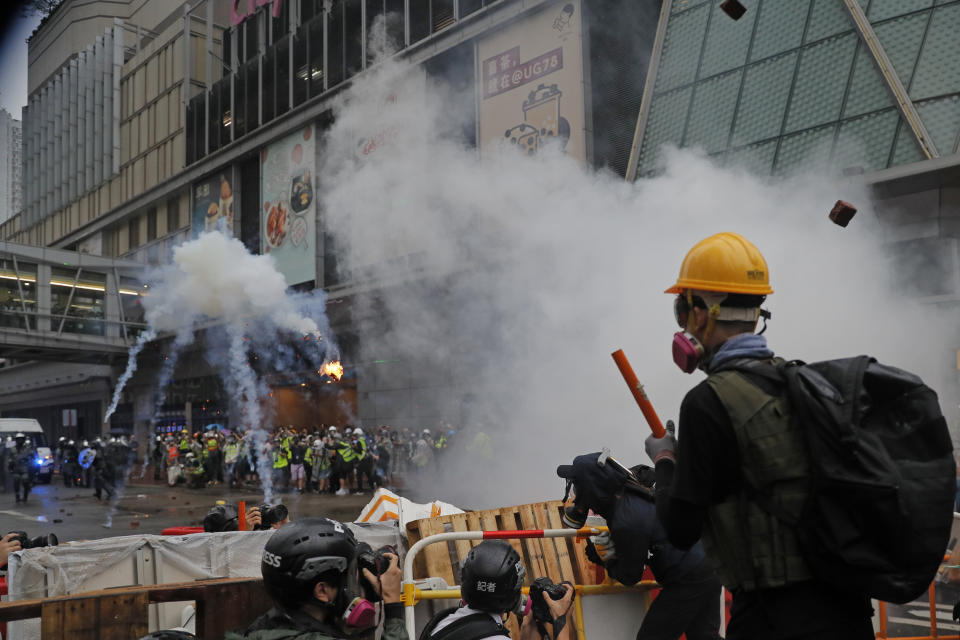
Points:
(705, 470)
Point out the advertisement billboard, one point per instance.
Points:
(531, 83)
(213, 204)
(288, 216)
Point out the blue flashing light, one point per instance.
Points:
(38, 461)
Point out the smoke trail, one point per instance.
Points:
(145, 337)
(248, 391)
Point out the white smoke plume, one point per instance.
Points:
(512, 279)
(242, 302)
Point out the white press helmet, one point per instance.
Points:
(358, 431)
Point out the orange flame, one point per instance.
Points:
(333, 369)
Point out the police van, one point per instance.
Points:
(43, 463)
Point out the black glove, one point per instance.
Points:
(956, 611)
(592, 554)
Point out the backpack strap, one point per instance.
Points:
(473, 627)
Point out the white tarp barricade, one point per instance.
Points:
(77, 567)
(386, 505)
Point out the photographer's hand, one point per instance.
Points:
(562, 606)
(253, 518)
(8, 544)
(389, 585)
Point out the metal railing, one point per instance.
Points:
(412, 594)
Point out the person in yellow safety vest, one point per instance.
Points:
(364, 460)
(343, 472)
(214, 458)
(481, 446)
(281, 462)
(231, 453)
(184, 444)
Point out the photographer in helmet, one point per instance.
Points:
(689, 598)
(310, 571)
(491, 579)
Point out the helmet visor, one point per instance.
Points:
(314, 567)
(681, 310)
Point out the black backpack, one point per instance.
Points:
(476, 626)
(882, 474)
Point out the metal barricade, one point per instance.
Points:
(412, 595)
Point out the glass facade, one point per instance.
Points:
(306, 52)
(791, 85)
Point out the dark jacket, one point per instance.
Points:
(277, 624)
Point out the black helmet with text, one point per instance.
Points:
(491, 577)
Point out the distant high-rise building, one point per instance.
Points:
(10, 199)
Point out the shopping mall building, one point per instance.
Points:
(145, 129)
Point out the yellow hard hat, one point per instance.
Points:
(725, 262)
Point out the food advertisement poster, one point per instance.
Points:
(531, 83)
(213, 204)
(288, 217)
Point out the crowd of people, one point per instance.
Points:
(327, 459)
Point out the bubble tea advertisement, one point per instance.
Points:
(531, 83)
(213, 204)
(288, 214)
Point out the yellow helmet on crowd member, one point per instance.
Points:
(726, 263)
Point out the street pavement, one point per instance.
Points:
(146, 507)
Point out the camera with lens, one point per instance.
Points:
(374, 560)
(49, 540)
(541, 612)
(270, 515)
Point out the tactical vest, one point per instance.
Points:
(755, 550)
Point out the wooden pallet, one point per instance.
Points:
(557, 558)
(122, 613)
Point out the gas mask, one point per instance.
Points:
(523, 607)
(688, 352)
(574, 516)
(360, 615)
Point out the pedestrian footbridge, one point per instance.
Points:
(67, 306)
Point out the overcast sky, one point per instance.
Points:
(14, 31)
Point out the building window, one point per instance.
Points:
(419, 20)
(13, 281)
(152, 224)
(315, 41)
(269, 77)
(353, 36)
(283, 76)
(133, 232)
(78, 309)
(280, 25)
(300, 72)
(335, 45)
(173, 214)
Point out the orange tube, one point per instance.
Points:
(638, 393)
(242, 516)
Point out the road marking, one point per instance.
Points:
(926, 625)
(17, 514)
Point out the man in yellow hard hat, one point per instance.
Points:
(734, 426)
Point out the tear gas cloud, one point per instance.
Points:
(513, 279)
(242, 301)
